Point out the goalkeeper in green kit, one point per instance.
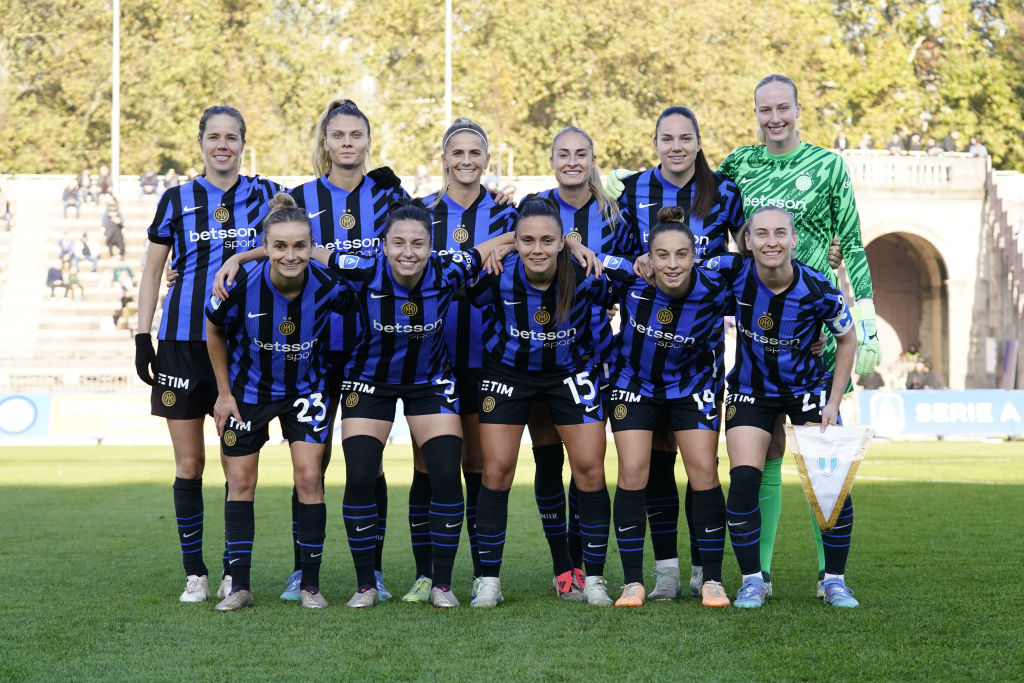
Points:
(813, 185)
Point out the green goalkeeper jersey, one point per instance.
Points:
(813, 185)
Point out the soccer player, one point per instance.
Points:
(536, 347)
(813, 185)
(266, 345)
(592, 218)
(711, 202)
(200, 224)
(667, 362)
(404, 292)
(780, 305)
(463, 214)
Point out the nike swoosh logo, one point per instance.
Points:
(599, 545)
(761, 500)
(377, 296)
(363, 528)
(234, 560)
(190, 209)
(627, 528)
(483, 552)
(451, 526)
(743, 303)
(435, 222)
(735, 524)
(191, 534)
(652, 514)
(711, 531)
(745, 181)
(320, 428)
(316, 555)
(256, 315)
(644, 206)
(840, 527)
(590, 409)
(641, 298)
(511, 303)
(311, 216)
(420, 523)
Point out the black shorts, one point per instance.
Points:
(377, 401)
(571, 399)
(748, 410)
(302, 419)
(630, 410)
(184, 386)
(467, 382)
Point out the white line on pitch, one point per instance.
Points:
(927, 481)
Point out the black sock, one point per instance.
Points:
(188, 509)
(296, 548)
(744, 517)
(595, 515)
(575, 538)
(695, 557)
(359, 509)
(380, 494)
(224, 557)
(630, 529)
(550, 495)
(491, 522)
(836, 543)
(419, 523)
(443, 457)
(709, 517)
(473, 486)
(312, 530)
(240, 526)
(663, 505)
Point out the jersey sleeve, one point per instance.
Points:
(226, 312)
(728, 266)
(459, 267)
(838, 318)
(354, 270)
(161, 231)
(626, 239)
(481, 293)
(847, 227)
(730, 167)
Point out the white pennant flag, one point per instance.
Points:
(827, 462)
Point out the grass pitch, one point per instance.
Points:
(91, 575)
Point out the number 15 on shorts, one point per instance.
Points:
(581, 381)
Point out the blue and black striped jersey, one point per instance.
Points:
(350, 222)
(668, 347)
(403, 343)
(648, 191)
(276, 344)
(204, 226)
(774, 332)
(456, 228)
(591, 227)
(522, 333)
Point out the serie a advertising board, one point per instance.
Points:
(941, 413)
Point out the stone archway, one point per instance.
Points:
(909, 277)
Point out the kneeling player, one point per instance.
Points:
(266, 345)
(780, 305)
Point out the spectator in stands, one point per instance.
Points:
(85, 191)
(895, 146)
(976, 149)
(55, 278)
(148, 184)
(866, 142)
(74, 283)
(6, 215)
(922, 377)
(113, 227)
(171, 179)
(65, 248)
(841, 144)
(127, 308)
(952, 141)
(913, 352)
(121, 271)
(83, 250)
(932, 147)
(71, 200)
(510, 192)
(915, 143)
(104, 184)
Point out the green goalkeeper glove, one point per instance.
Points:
(613, 185)
(869, 352)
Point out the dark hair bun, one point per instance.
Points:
(671, 214)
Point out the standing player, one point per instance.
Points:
(780, 306)
(666, 363)
(813, 185)
(464, 214)
(201, 224)
(592, 218)
(404, 292)
(266, 344)
(537, 345)
(682, 178)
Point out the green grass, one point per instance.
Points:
(91, 573)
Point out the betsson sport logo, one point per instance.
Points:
(298, 351)
(232, 237)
